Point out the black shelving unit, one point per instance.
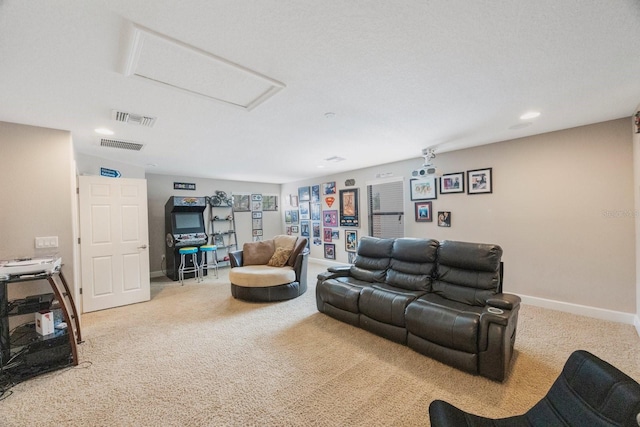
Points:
(222, 232)
(23, 352)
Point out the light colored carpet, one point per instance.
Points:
(194, 356)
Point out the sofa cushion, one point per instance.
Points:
(257, 253)
(468, 272)
(280, 257)
(339, 294)
(284, 241)
(260, 276)
(372, 261)
(412, 263)
(442, 322)
(386, 304)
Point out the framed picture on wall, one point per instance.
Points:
(479, 181)
(329, 188)
(330, 251)
(424, 212)
(444, 219)
(349, 210)
(423, 188)
(350, 240)
(269, 203)
(241, 202)
(452, 183)
(304, 193)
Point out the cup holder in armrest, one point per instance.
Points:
(494, 310)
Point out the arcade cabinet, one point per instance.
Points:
(184, 226)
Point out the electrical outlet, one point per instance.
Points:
(46, 242)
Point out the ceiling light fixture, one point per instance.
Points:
(104, 131)
(329, 115)
(530, 115)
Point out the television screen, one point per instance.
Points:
(190, 222)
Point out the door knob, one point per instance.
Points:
(142, 247)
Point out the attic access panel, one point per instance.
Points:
(161, 59)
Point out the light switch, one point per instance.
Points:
(46, 242)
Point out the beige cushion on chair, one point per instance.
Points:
(284, 241)
(279, 258)
(261, 276)
(257, 253)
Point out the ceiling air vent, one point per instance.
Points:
(123, 145)
(133, 119)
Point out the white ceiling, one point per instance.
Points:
(399, 76)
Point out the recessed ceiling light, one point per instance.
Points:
(104, 131)
(530, 115)
(329, 115)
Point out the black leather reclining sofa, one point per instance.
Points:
(442, 299)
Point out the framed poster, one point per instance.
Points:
(315, 226)
(479, 181)
(304, 228)
(349, 211)
(330, 218)
(423, 212)
(241, 202)
(304, 210)
(269, 203)
(350, 241)
(452, 183)
(444, 219)
(315, 193)
(304, 194)
(327, 232)
(329, 188)
(315, 211)
(423, 188)
(330, 251)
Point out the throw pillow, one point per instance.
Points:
(257, 253)
(279, 258)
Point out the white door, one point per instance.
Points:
(114, 240)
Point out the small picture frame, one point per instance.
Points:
(327, 232)
(350, 240)
(287, 217)
(241, 202)
(304, 194)
(479, 181)
(256, 214)
(269, 203)
(330, 251)
(452, 183)
(304, 210)
(444, 219)
(329, 188)
(315, 193)
(295, 229)
(424, 212)
(293, 201)
(330, 218)
(423, 188)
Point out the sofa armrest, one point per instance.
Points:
(504, 301)
(333, 272)
(235, 259)
(497, 336)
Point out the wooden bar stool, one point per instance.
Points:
(195, 268)
(209, 259)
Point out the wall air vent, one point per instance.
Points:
(133, 119)
(123, 145)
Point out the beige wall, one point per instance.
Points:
(160, 188)
(560, 208)
(636, 168)
(38, 178)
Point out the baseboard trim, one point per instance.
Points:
(583, 310)
(155, 274)
(636, 323)
(326, 262)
